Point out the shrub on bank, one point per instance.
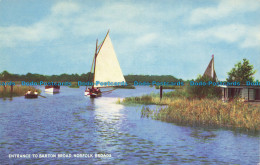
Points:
(207, 91)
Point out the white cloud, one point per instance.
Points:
(49, 28)
(252, 39)
(65, 8)
(146, 39)
(12, 35)
(245, 36)
(224, 9)
(68, 18)
(139, 24)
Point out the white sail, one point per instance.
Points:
(107, 68)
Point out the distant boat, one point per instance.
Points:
(52, 89)
(105, 66)
(210, 71)
(31, 95)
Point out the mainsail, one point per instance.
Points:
(210, 71)
(107, 68)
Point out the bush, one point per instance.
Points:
(208, 91)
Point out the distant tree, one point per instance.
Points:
(242, 72)
(5, 75)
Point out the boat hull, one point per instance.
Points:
(52, 90)
(30, 96)
(92, 95)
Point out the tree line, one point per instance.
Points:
(6, 76)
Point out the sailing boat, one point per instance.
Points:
(106, 68)
(210, 71)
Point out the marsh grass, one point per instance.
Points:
(146, 100)
(207, 112)
(17, 90)
(169, 87)
(125, 87)
(74, 85)
(154, 98)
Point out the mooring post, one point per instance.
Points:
(161, 88)
(4, 87)
(12, 90)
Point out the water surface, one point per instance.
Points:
(70, 123)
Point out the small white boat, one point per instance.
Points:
(52, 89)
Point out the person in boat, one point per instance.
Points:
(88, 90)
(98, 90)
(93, 89)
(28, 92)
(36, 93)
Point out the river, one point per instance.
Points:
(69, 123)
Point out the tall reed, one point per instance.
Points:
(17, 90)
(209, 112)
(188, 110)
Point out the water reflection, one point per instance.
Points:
(106, 109)
(203, 135)
(7, 98)
(51, 93)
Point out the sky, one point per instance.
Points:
(150, 37)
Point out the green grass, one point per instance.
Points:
(125, 87)
(17, 90)
(74, 85)
(169, 87)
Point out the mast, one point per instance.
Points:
(95, 63)
(212, 70)
(103, 42)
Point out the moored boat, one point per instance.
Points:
(31, 96)
(52, 89)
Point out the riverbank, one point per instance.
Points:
(125, 87)
(17, 90)
(169, 87)
(203, 112)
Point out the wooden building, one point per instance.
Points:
(247, 93)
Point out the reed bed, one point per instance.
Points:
(209, 112)
(125, 87)
(17, 90)
(74, 85)
(154, 98)
(170, 87)
(146, 99)
(200, 112)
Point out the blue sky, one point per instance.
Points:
(174, 37)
